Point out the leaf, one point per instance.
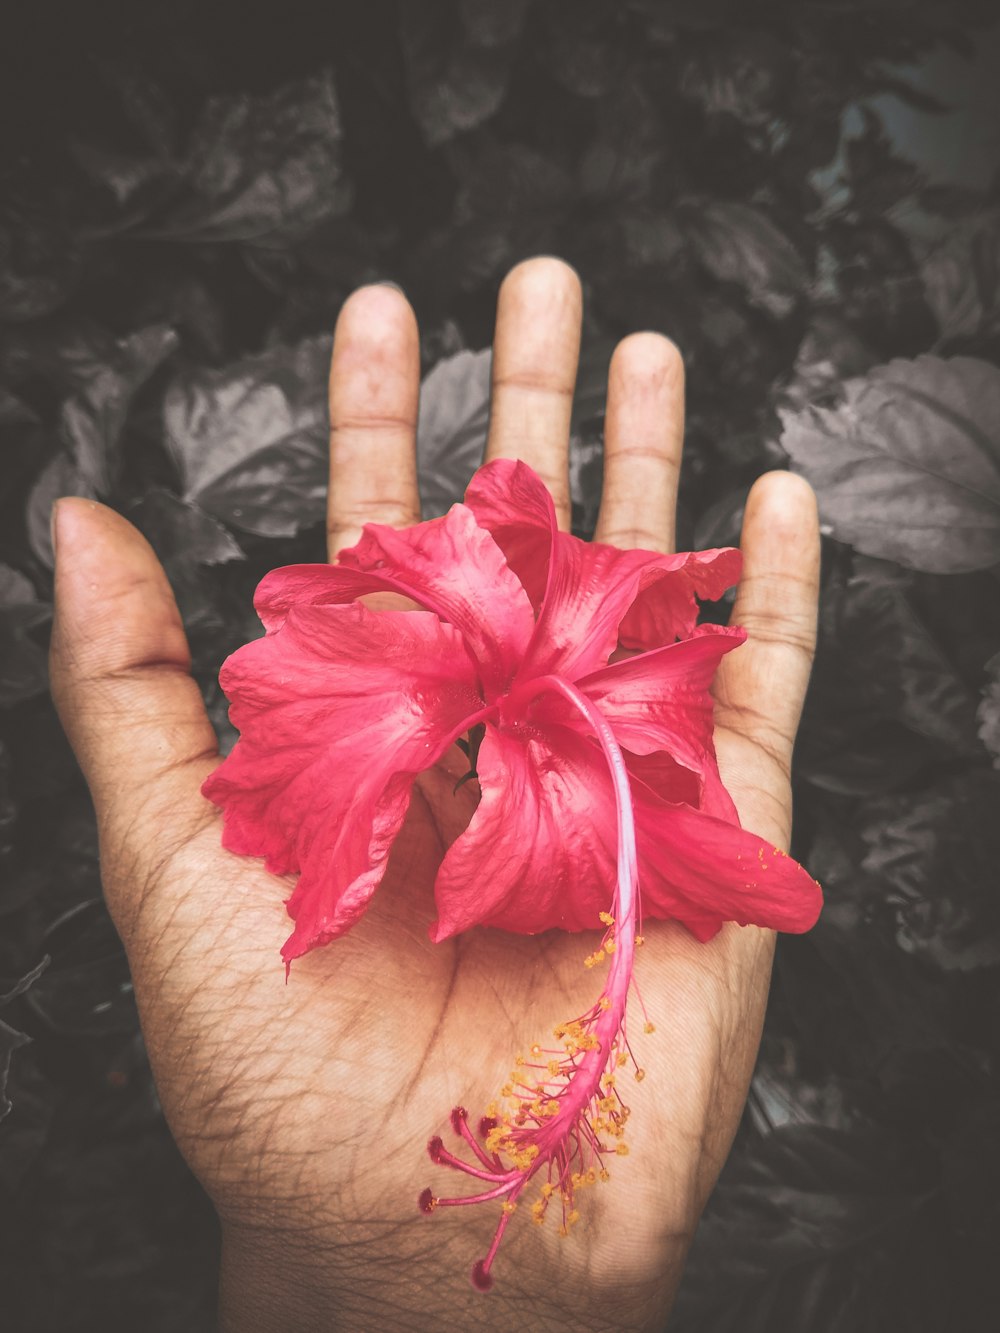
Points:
(91, 425)
(989, 711)
(936, 853)
(886, 700)
(263, 169)
(907, 467)
(961, 277)
(738, 243)
(250, 440)
(456, 78)
(10, 1038)
(23, 664)
(40, 263)
(451, 431)
(181, 533)
(792, 1215)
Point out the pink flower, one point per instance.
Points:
(595, 778)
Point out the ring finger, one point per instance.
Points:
(643, 439)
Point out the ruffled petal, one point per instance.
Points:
(539, 852)
(592, 595)
(661, 701)
(704, 871)
(513, 504)
(448, 565)
(665, 609)
(338, 710)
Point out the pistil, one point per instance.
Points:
(563, 1113)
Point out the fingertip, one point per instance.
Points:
(376, 321)
(543, 278)
(646, 359)
(784, 499)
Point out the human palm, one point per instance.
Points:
(305, 1108)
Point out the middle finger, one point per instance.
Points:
(535, 356)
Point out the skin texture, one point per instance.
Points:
(305, 1108)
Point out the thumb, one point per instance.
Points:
(121, 684)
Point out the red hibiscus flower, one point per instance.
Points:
(598, 778)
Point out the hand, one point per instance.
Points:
(305, 1108)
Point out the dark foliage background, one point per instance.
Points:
(187, 197)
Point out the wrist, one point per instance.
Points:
(303, 1283)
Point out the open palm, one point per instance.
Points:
(305, 1109)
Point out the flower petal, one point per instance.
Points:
(592, 594)
(338, 710)
(540, 851)
(448, 565)
(661, 700)
(513, 504)
(703, 871)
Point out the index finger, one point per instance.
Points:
(374, 392)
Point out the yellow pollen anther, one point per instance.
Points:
(649, 1027)
(609, 1080)
(640, 1074)
(604, 1003)
(536, 1051)
(519, 1060)
(548, 1190)
(553, 1067)
(640, 940)
(621, 1149)
(573, 1216)
(606, 918)
(610, 946)
(508, 1206)
(605, 1174)
(620, 1059)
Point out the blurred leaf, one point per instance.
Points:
(961, 277)
(792, 1218)
(23, 664)
(738, 243)
(179, 531)
(451, 432)
(830, 352)
(737, 73)
(262, 169)
(91, 425)
(250, 440)
(907, 467)
(881, 681)
(936, 852)
(10, 1038)
(878, 175)
(989, 711)
(457, 73)
(509, 206)
(40, 262)
(490, 24)
(86, 989)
